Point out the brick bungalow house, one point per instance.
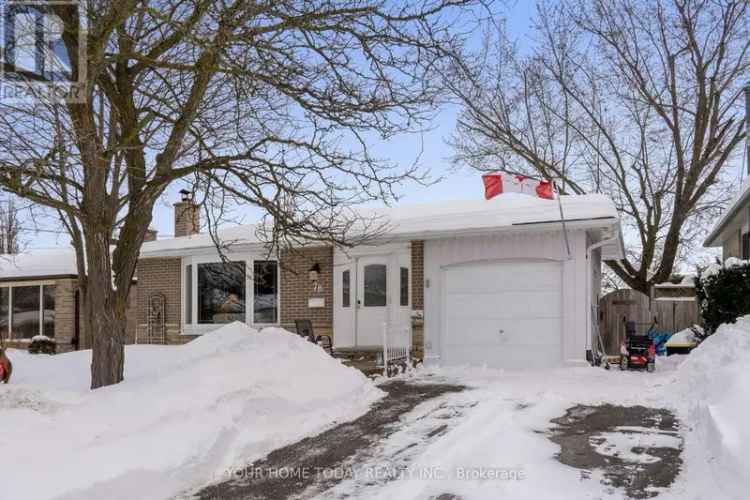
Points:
(493, 281)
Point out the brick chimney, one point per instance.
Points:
(186, 215)
(150, 235)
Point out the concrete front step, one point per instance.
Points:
(369, 368)
(357, 356)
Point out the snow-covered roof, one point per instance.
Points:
(403, 222)
(424, 221)
(504, 211)
(237, 235)
(38, 263)
(740, 200)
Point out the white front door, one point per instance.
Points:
(373, 298)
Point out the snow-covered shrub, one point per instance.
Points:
(724, 293)
(42, 344)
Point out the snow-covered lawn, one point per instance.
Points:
(182, 416)
(185, 415)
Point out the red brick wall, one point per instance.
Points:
(417, 275)
(296, 288)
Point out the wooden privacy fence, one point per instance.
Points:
(674, 307)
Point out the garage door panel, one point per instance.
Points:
(513, 357)
(481, 331)
(523, 299)
(505, 305)
(506, 276)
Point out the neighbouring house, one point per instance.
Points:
(39, 296)
(475, 282)
(732, 231)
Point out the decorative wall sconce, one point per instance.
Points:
(315, 277)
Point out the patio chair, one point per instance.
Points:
(305, 329)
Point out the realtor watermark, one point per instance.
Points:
(370, 474)
(43, 52)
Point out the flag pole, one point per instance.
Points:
(562, 219)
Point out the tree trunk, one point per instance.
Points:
(107, 332)
(104, 312)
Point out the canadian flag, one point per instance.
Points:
(499, 183)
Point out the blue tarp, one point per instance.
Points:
(660, 340)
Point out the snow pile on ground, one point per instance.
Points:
(683, 337)
(714, 384)
(183, 416)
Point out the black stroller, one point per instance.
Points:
(638, 349)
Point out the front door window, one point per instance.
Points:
(376, 285)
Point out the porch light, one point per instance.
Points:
(314, 274)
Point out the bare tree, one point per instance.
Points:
(270, 103)
(10, 227)
(637, 99)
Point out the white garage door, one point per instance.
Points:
(504, 315)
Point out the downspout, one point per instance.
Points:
(589, 249)
(747, 163)
(746, 88)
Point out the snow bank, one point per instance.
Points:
(181, 418)
(683, 337)
(714, 383)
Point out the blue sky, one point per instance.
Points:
(404, 150)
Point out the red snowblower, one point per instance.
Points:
(638, 350)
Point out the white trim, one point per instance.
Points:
(208, 251)
(5, 284)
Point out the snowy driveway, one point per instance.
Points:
(502, 437)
